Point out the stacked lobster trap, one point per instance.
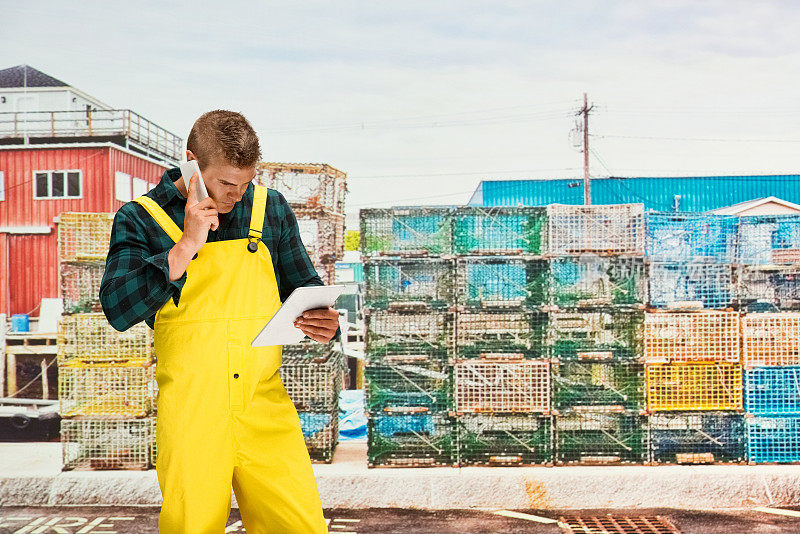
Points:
(596, 296)
(107, 386)
(409, 294)
(316, 194)
(313, 375)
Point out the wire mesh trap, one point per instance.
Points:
(501, 282)
(600, 438)
(694, 386)
(306, 185)
(89, 337)
(406, 231)
(683, 237)
(99, 443)
(692, 336)
(595, 281)
(321, 433)
(773, 390)
(602, 229)
(509, 440)
(322, 235)
(598, 386)
(497, 334)
(595, 335)
(313, 384)
(502, 386)
(84, 236)
(771, 339)
(705, 285)
(107, 389)
(407, 337)
(712, 437)
(404, 388)
(773, 439)
(80, 286)
(771, 287)
(409, 282)
(498, 230)
(769, 239)
(410, 440)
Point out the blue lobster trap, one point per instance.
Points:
(769, 239)
(404, 282)
(773, 439)
(501, 282)
(708, 283)
(498, 230)
(773, 390)
(402, 231)
(677, 237)
(410, 440)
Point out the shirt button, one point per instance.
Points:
(235, 375)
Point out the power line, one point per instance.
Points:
(713, 139)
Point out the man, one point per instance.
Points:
(206, 276)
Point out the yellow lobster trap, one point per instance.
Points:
(90, 338)
(84, 236)
(694, 386)
(107, 389)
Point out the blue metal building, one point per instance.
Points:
(696, 193)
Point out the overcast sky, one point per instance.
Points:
(419, 101)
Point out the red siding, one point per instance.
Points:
(33, 258)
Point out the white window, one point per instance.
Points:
(58, 184)
(122, 186)
(2, 185)
(139, 187)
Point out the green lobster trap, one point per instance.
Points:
(410, 440)
(598, 386)
(408, 337)
(592, 281)
(512, 440)
(693, 438)
(595, 335)
(501, 282)
(406, 231)
(409, 282)
(403, 388)
(499, 230)
(600, 438)
(495, 334)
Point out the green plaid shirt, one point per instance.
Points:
(136, 282)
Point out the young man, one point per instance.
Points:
(206, 276)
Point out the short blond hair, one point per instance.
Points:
(224, 137)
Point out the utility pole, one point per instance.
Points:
(587, 183)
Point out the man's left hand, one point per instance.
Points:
(319, 324)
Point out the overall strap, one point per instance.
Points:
(259, 210)
(161, 217)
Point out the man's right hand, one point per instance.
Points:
(199, 217)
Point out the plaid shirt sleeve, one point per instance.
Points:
(135, 283)
(294, 265)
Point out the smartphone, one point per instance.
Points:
(187, 170)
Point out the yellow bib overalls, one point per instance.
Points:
(223, 414)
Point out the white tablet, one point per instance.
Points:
(280, 329)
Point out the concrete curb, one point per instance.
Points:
(30, 475)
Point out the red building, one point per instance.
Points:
(62, 150)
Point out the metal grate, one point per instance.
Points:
(617, 524)
(771, 339)
(603, 229)
(502, 386)
(693, 336)
(84, 236)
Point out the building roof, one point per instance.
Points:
(27, 76)
(760, 206)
